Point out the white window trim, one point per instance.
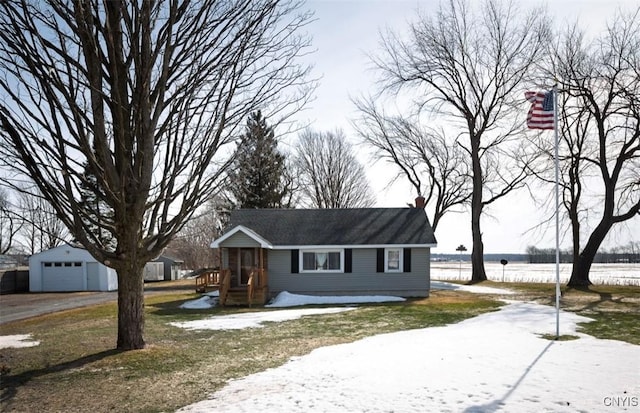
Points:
(400, 260)
(319, 250)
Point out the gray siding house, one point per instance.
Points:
(363, 251)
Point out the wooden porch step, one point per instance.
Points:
(207, 288)
(238, 297)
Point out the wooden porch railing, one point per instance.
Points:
(225, 286)
(207, 279)
(258, 280)
(221, 280)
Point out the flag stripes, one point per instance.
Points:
(540, 114)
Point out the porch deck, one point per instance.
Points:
(256, 292)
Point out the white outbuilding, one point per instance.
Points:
(67, 268)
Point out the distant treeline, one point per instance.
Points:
(548, 255)
(536, 255)
(487, 257)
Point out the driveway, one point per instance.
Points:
(26, 305)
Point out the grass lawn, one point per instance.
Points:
(76, 369)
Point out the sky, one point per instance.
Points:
(346, 32)
(509, 367)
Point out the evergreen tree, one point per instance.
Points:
(256, 179)
(99, 215)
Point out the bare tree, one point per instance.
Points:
(329, 173)
(41, 229)
(599, 108)
(435, 167)
(291, 182)
(192, 243)
(10, 223)
(469, 68)
(141, 95)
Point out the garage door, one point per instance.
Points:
(62, 276)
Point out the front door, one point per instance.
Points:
(247, 263)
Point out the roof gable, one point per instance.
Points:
(358, 226)
(247, 231)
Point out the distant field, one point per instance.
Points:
(609, 274)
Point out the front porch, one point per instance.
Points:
(243, 279)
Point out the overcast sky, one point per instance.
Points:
(346, 31)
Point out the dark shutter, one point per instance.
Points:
(347, 260)
(380, 260)
(295, 261)
(406, 260)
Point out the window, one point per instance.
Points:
(322, 261)
(393, 260)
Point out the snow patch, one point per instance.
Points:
(208, 300)
(17, 341)
(201, 303)
(254, 319)
(476, 289)
(287, 299)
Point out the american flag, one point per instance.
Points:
(541, 112)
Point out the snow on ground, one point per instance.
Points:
(286, 299)
(208, 300)
(476, 289)
(610, 274)
(254, 319)
(18, 340)
(496, 362)
(201, 303)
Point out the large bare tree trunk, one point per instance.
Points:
(477, 252)
(130, 307)
(582, 263)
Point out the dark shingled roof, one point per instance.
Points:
(358, 226)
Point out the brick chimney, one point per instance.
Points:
(420, 202)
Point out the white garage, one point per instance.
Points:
(67, 268)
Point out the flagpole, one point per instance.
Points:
(557, 162)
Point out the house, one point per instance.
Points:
(67, 268)
(363, 251)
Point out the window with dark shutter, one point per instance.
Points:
(380, 260)
(347, 260)
(294, 261)
(407, 259)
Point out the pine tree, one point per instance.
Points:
(256, 177)
(100, 214)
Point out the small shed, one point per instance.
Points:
(67, 268)
(172, 267)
